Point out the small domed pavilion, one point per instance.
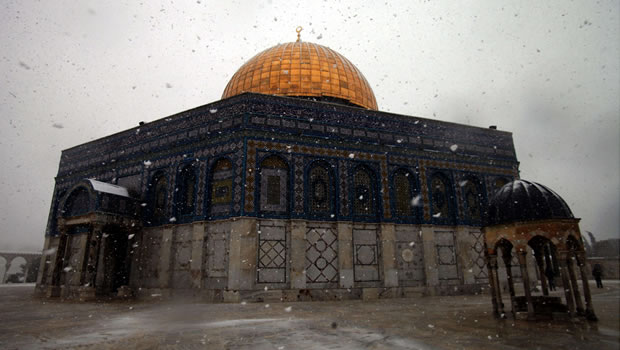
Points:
(522, 215)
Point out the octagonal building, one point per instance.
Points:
(294, 186)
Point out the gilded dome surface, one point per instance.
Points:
(305, 70)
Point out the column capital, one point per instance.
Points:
(62, 226)
(521, 252)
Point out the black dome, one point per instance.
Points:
(522, 200)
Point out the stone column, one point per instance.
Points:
(87, 291)
(430, 259)
(581, 260)
(492, 267)
(59, 259)
(41, 275)
(137, 249)
(574, 286)
(498, 291)
(100, 268)
(94, 247)
(507, 256)
(165, 261)
(298, 254)
(388, 248)
(80, 268)
(540, 262)
(195, 265)
(345, 254)
(521, 255)
(566, 284)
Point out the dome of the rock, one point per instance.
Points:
(303, 69)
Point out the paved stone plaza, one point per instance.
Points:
(456, 322)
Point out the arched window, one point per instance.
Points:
(364, 200)
(221, 187)
(403, 193)
(158, 196)
(320, 190)
(274, 185)
(442, 199)
(186, 190)
(77, 203)
(472, 198)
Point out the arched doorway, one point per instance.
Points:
(15, 270)
(115, 258)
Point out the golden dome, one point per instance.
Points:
(302, 69)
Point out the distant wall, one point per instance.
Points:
(611, 267)
(606, 248)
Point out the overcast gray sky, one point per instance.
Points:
(548, 71)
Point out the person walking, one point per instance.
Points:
(597, 272)
(550, 274)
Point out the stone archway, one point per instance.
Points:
(113, 260)
(23, 264)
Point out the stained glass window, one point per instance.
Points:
(273, 189)
(319, 194)
(364, 194)
(403, 193)
(274, 185)
(221, 186)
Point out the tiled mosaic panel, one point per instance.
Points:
(200, 120)
(250, 177)
(343, 182)
(479, 268)
(321, 255)
(409, 254)
(200, 193)
(446, 255)
(385, 189)
(298, 187)
(365, 253)
(238, 181)
(172, 177)
(272, 245)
